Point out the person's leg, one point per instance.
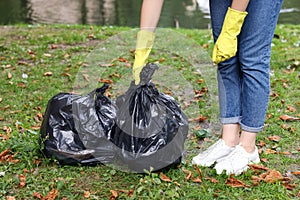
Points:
(254, 55)
(229, 85)
(254, 50)
(229, 80)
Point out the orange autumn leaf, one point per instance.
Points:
(196, 167)
(4, 153)
(270, 151)
(256, 178)
(233, 182)
(288, 118)
(101, 80)
(197, 180)
(274, 138)
(22, 179)
(285, 153)
(264, 160)
(130, 193)
(121, 59)
(213, 180)
(114, 195)
(163, 177)
(86, 194)
(188, 174)
(291, 109)
(289, 186)
(262, 143)
(258, 167)
(201, 118)
(273, 176)
(296, 173)
(51, 195)
(37, 195)
(115, 75)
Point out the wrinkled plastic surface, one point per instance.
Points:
(150, 126)
(73, 122)
(143, 130)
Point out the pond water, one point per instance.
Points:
(187, 13)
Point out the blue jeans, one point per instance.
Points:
(244, 80)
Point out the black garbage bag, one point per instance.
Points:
(75, 127)
(150, 128)
(143, 130)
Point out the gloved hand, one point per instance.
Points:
(226, 45)
(145, 40)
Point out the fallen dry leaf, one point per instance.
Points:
(264, 160)
(7, 129)
(196, 167)
(258, 167)
(86, 77)
(115, 75)
(274, 138)
(262, 143)
(128, 192)
(9, 75)
(47, 55)
(107, 65)
(201, 118)
(101, 80)
(53, 46)
(21, 85)
(164, 177)
(86, 194)
(270, 151)
(21, 62)
(255, 181)
(10, 198)
(188, 174)
(22, 179)
(121, 59)
(197, 180)
(288, 118)
(296, 173)
(291, 109)
(233, 182)
(37, 195)
(51, 195)
(213, 180)
(35, 128)
(273, 176)
(114, 195)
(48, 74)
(65, 74)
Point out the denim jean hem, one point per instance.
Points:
(230, 120)
(251, 129)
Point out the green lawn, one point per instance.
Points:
(37, 62)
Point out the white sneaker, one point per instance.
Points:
(215, 152)
(237, 161)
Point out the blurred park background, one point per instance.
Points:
(189, 14)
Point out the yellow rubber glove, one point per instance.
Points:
(145, 40)
(226, 45)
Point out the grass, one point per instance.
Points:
(37, 62)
